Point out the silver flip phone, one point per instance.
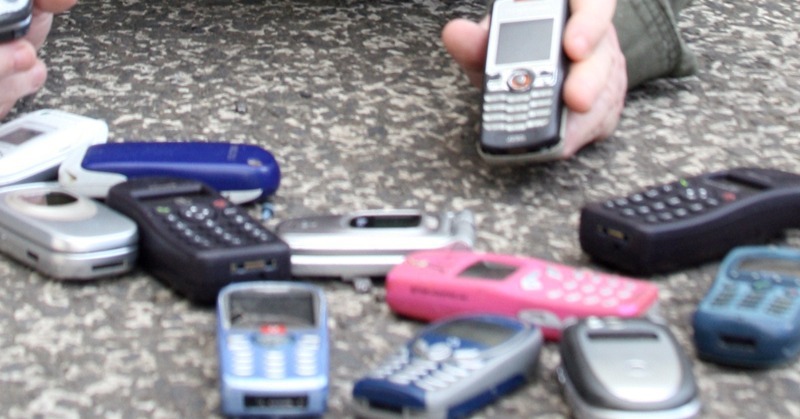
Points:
(523, 117)
(62, 235)
(629, 368)
(369, 243)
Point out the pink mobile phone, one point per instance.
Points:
(431, 285)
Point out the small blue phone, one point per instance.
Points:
(451, 369)
(751, 315)
(273, 349)
(241, 172)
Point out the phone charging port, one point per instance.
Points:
(253, 266)
(739, 343)
(255, 402)
(614, 233)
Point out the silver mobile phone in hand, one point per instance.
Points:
(15, 18)
(523, 116)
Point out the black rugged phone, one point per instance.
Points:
(690, 221)
(195, 240)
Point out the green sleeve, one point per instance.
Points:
(650, 40)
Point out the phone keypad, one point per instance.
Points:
(773, 297)
(670, 202)
(206, 225)
(276, 360)
(427, 374)
(517, 111)
(584, 287)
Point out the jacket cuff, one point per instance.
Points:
(650, 40)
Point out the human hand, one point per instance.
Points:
(594, 90)
(21, 71)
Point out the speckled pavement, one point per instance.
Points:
(363, 109)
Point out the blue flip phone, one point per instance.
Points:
(273, 349)
(751, 315)
(241, 172)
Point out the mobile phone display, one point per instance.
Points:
(273, 349)
(690, 221)
(437, 284)
(451, 369)
(751, 315)
(626, 368)
(63, 235)
(523, 116)
(195, 240)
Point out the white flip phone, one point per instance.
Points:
(34, 145)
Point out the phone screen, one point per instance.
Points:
(253, 310)
(480, 333)
(771, 265)
(20, 135)
(50, 199)
(524, 41)
(398, 221)
(488, 270)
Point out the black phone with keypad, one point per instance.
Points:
(690, 221)
(195, 240)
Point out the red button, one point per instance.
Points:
(273, 329)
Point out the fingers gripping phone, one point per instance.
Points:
(523, 117)
(15, 18)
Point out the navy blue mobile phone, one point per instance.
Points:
(241, 172)
(451, 369)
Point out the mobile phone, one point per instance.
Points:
(273, 349)
(436, 284)
(241, 172)
(523, 116)
(195, 240)
(62, 235)
(35, 144)
(15, 19)
(369, 243)
(626, 368)
(691, 220)
(451, 369)
(751, 315)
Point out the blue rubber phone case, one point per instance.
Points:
(751, 315)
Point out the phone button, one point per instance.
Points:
(520, 80)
